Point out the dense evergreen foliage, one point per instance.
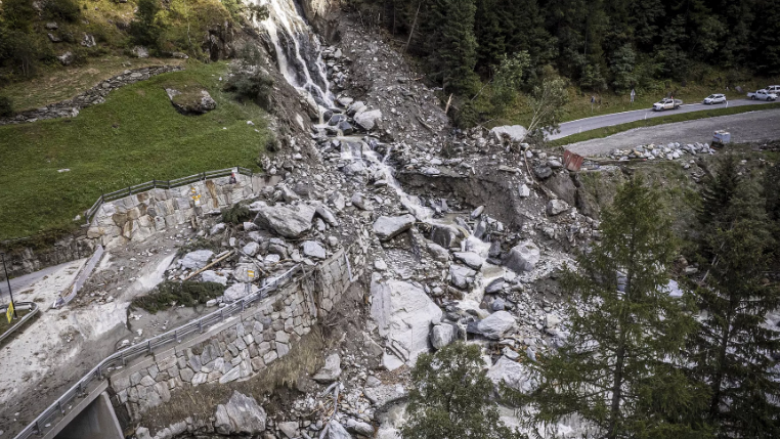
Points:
(621, 367)
(451, 397)
(599, 43)
(734, 352)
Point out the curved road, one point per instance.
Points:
(608, 120)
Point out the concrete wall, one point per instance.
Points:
(239, 348)
(97, 421)
(138, 216)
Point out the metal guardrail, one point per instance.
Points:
(120, 358)
(32, 306)
(161, 184)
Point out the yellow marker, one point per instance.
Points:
(250, 273)
(10, 313)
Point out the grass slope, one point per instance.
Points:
(682, 117)
(136, 136)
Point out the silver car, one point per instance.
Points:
(715, 99)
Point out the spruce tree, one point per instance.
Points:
(733, 350)
(620, 365)
(451, 397)
(458, 50)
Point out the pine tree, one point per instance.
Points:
(451, 397)
(458, 51)
(733, 350)
(716, 197)
(620, 366)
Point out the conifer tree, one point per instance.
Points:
(458, 50)
(620, 366)
(733, 350)
(451, 397)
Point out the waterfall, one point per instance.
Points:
(297, 49)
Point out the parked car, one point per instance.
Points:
(762, 95)
(667, 104)
(715, 99)
(774, 89)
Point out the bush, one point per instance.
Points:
(237, 214)
(6, 107)
(145, 30)
(255, 86)
(169, 294)
(67, 10)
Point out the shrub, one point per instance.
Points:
(255, 86)
(168, 294)
(146, 30)
(6, 107)
(67, 10)
(237, 214)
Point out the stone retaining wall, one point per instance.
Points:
(93, 96)
(238, 349)
(138, 216)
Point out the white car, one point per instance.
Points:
(762, 95)
(774, 89)
(667, 104)
(715, 99)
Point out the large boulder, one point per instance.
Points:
(287, 221)
(443, 334)
(196, 260)
(368, 120)
(388, 227)
(313, 249)
(512, 373)
(241, 415)
(513, 133)
(446, 236)
(191, 101)
(557, 207)
(331, 371)
(497, 325)
(471, 259)
(238, 291)
(404, 315)
(523, 257)
(462, 277)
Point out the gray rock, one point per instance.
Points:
(473, 260)
(554, 164)
(217, 228)
(313, 249)
(212, 276)
(196, 260)
(346, 128)
(498, 305)
(51, 25)
(477, 212)
(289, 222)
(289, 429)
(462, 277)
(497, 325)
(388, 227)
(368, 120)
(495, 286)
(337, 431)
(511, 373)
(523, 257)
(327, 215)
(54, 38)
(241, 415)
(202, 103)
(251, 249)
(557, 207)
(356, 108)
(359, 201)
(361, 428)
(404, 315)
(525, 191)
(140, 52)
(542, 171)
(447, 236)
(232, 375)
(372, 381)
(88, 40)
(438, 252)
(66, 58)
(331, 371)
(238, 291)
(515, 133)
(443, 334)
(246, 273)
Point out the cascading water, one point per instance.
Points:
(297, 48)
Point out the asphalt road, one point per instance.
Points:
(753, 126)
(22, 282)
(608, 120)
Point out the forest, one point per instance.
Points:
(596, 45)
